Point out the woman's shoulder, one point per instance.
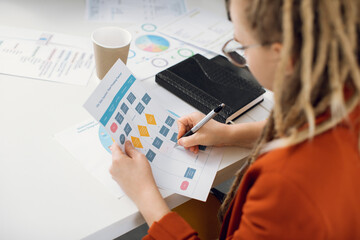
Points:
(324, 172)
(328, 162)
(335, 147)
(339, 142)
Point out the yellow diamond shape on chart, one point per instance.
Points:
(136, 142)
(150, 119)
(143, 131)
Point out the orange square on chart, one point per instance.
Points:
(143, 131)
(150, 119)
(136, 142)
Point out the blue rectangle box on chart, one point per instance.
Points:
(124, 108)
(146, 98)
(164, 131)
(127, 129)
(131, 98)
(139, 108)
(157, 143)
(169, 121)
(190, 172)
(119, 118)
(174, 137)
(150, 155)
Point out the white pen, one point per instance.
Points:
(207, 118)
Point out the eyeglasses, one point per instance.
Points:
(236, 52)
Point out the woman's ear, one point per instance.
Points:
(276, 49)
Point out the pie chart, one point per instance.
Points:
(105, 138)
(152, 43)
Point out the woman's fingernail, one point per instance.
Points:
(180, 142)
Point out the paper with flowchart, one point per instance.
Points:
(129, 10)
(46, 56)
(200, 28)
(128, 112)
(89, 143)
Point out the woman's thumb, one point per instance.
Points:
(188, 141)
(115, 148)
(130, 150)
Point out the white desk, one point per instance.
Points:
(44, 192)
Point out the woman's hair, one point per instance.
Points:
(320, 38)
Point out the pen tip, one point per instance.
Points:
(219, 108)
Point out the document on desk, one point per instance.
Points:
(133, 11)
(46, 56)
(152, 52)
(201, 28)
(90, 144)
(128, 112)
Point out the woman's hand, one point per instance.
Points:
(132, 171)
(217, 134)
(212, 133)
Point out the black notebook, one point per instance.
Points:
(205, 84)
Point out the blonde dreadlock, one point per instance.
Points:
(326, 58)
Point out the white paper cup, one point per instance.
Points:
(110, 44)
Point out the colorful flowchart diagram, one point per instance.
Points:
(127, 111)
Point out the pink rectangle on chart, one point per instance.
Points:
(113, 127)
(184, 185)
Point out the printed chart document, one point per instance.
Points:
(200, 28)
(151, 52)
(89, 143)
(46, 56)
(128, 112)
(133, 11)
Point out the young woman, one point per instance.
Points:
(302, 180)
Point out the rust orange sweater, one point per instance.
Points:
(307, 191)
